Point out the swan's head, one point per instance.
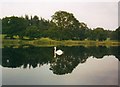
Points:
(54, 47)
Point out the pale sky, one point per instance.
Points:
(98, 13)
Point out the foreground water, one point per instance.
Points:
(28, 65)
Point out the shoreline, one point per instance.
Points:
(49, 42)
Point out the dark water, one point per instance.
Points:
(76, 66)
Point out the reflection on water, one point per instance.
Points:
(34, 56)
(65, 64)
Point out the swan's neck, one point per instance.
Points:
(54, 49)
(54, 52)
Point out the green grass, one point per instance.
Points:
(49, 42)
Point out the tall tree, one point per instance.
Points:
(14, 26)
(67, 24)
(35, 20)
(98, 34)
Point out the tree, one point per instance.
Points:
(67, 24)
(14, 26)
(98, 34)
(65, 20)
(32, 32)
(34, 21)
(44, 24)
(116, 34)
(83, 31)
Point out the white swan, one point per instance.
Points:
(58, 52)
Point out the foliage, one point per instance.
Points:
(98, 34)
(115, 35)
(62, 26)
(13, 26)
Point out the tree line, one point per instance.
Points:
(62, 26)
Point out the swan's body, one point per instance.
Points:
(58, 52)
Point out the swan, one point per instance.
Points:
(58, 52)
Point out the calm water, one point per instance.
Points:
(76, 66)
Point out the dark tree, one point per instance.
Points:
(67, 24)
(14, 26)
(115, 35)
(98, 34)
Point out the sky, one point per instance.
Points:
(98, 13)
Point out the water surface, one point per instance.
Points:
(78, 65)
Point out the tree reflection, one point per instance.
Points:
(64, 64)
(31, 56)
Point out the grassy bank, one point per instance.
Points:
(50, 42)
